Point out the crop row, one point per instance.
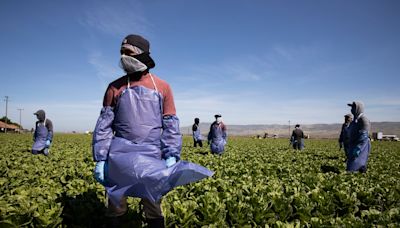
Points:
(257, 183)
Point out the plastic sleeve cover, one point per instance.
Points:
(171, 138)
(50, 136)
(362, 138)
(103, 134)
(224, 135)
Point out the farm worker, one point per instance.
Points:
(344, 133)
(136, 141)
(297, 138)
(197, 139)
(359, 142)
(217, 135)
(43, 135)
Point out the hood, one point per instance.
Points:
(357, 108)
(41, 115)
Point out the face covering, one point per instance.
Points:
(219, 119)
(131, 65)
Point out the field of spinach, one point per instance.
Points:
(257, 183)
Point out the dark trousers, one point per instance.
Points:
(151, 210)
(195, 142)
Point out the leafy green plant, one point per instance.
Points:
(257, 183)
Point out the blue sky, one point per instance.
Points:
(255, 62)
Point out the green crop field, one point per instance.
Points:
(257, 183)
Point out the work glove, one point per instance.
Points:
(101, 172)
(170, 161)
(48, 143)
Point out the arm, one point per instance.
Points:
(35, 132)
(209, 136)
(360, 137)
(171, 138)
(49, 126)
(103, 134)
(224, 135)
(292, 138)
(341, 136)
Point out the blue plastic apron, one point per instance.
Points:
(197, 134)
(41, 133)
(217, 139)
(361, 142)
(134, 160)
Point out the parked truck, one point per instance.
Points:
(381, 137)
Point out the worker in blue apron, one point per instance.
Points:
(217, 136)
(43, 135)
(137, 141)
(197, 138)
(359, 143)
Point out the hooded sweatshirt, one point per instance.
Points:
(360, 125)
(41, 115)
(362, 121)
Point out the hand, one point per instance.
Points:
(170, 161)
(101, 172)
(48, 143)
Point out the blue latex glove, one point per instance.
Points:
(101, 172)
(48, 143)
(170, 161)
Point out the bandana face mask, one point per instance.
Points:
(131, 65)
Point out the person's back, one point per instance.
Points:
(43, 135)
(297, 138)
(298, 134)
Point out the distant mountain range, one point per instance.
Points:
(313, 130)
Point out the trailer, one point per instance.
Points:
(381, 137)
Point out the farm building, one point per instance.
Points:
(9, 127)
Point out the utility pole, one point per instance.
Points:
(20, 123)
(5, 127)
(289, 129)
